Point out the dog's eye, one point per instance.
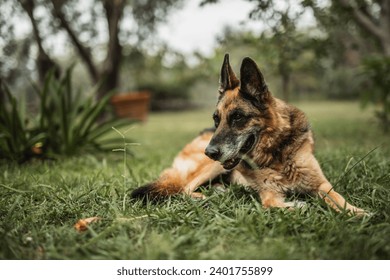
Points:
(238, 116)
(238, 119)
(216, 119)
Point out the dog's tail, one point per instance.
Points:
(169, 183)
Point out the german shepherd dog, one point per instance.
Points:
(261, 141)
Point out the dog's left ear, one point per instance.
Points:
(228, 79)
(253, 85)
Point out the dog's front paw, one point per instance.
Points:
(360, 212)
(296, 204)
(197, 195)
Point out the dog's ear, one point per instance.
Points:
(253, 85)
(228, 79)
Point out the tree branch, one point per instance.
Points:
(364, 20)
(44, 62)
(85, 54)
(28, 7)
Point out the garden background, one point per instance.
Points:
(66, 156)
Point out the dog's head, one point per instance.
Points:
(241, 113)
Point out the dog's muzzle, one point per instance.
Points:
(214, 152)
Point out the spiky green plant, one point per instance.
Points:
(68, 122)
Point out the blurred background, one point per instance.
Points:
(172, 50)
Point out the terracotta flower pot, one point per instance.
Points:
(132, 105)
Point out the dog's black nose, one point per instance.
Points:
(213, 152)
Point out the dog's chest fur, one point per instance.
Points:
(283, 150)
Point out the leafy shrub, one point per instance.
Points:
(17, 141)
(377, 69)
(165, 74)
(342, 84)
(67, 123)
(167, 96)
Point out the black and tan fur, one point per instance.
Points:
(263, 142)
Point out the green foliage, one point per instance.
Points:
(304, 72)
(18, 142)
(342, 83)
(377, 69)
(72, 121)
(67, 123)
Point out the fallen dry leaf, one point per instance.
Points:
(82, 224)
(37, 148)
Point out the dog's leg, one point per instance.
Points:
(190, 168)
(204, 173)
(271, 198)
(307, 173)
(270, 186)
(337, 201)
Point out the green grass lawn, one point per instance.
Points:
(41, 201)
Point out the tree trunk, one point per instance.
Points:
(111, 65)
(285, 74)
(2, 94)
(386, 46)
(286, 87)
